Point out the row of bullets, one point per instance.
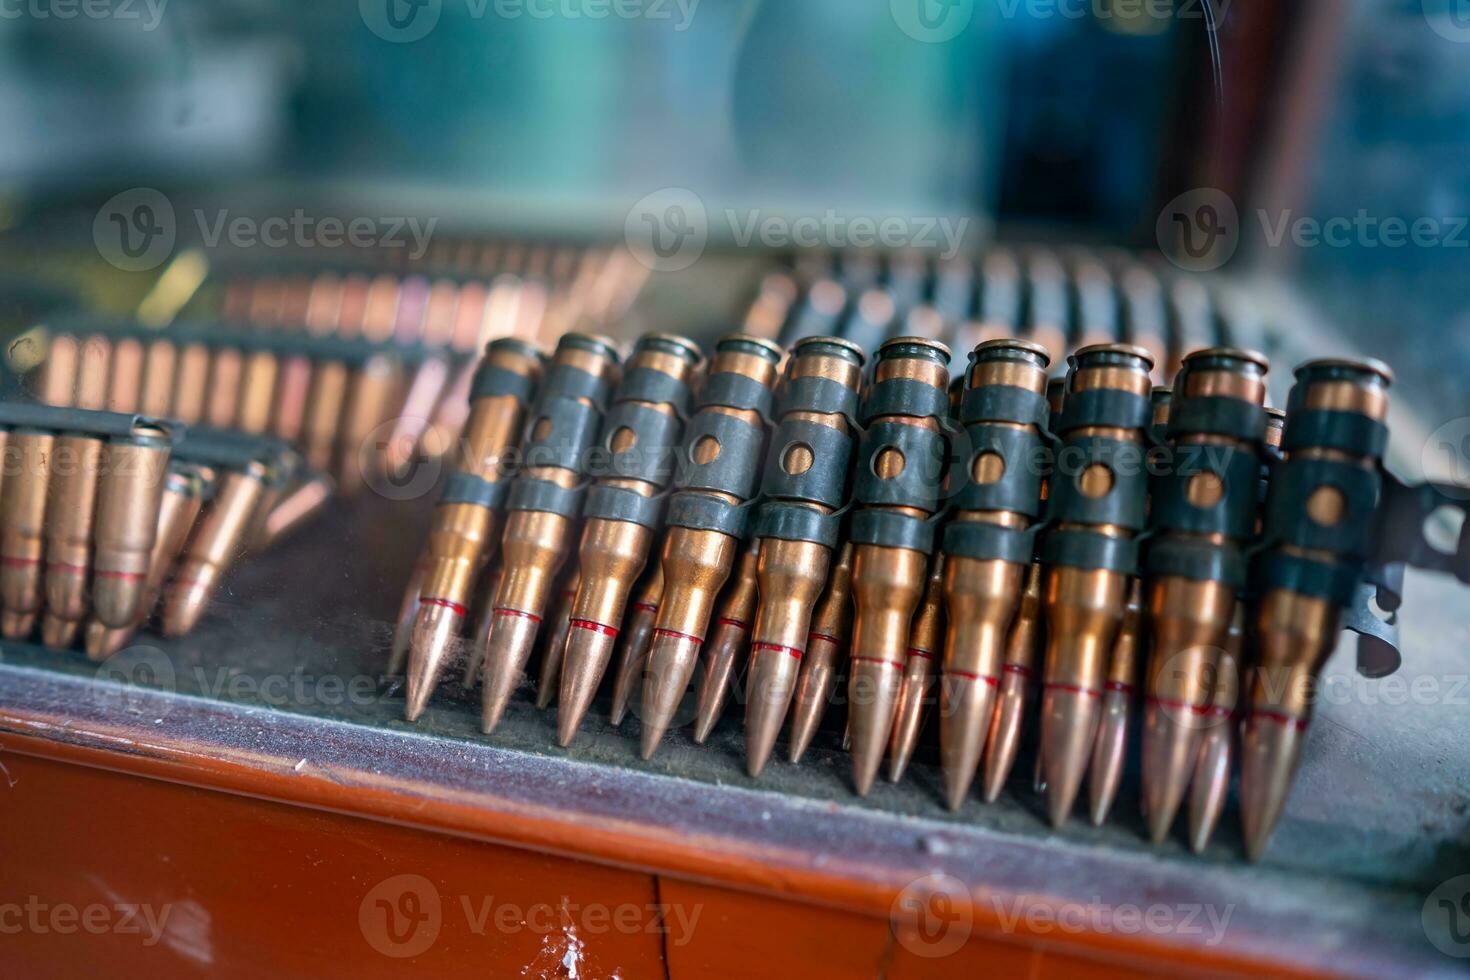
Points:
(355, 408)
(465, 294)
(1060, 299)
(1033, 546)
(105, 515)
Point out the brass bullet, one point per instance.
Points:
(134, 470)
(726, 442)
(222, 400)
(899, 475)
(989, 546)
(324, 409)
(1098, 498)
(300, 503)
(214, 547)
(185, 490)
(546, 500)
(191, 384)
(549, 681)
(159, 362)
(125, 383)
(821, 668)
(1203, 514)
(76, 461)
(805, 483)
(1210, 783)
(23, 495)
(926, 646)
(93, 372)
(258, 377)
(484, 612)
(623, 512)
(1319, 516)
(58, 377)
(1110, 749)
(727, 644)
(636, 638)
(462, 537)
(372, 394)
(1015, 692)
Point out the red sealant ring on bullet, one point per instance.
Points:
(646, 606)
(992, 681)
(777, 648)
(736, 623)
(676, 635)
(1018, 669)
(516, 613)
(824, 636)
(133, 576)
(1073, 688)
(877, 660)
(452, 606)
(591, 627)
(12, 562)
(1199, 709)
(1120, 687)
(1278, 718)
(921, 654)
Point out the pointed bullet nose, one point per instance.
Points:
(584, 661)
(1170, 750)
(507, 651)
(773, 677)
(873, 696)
(671, 663)
(1210, 785)
(632, 655)
(1108, 754)
(966, 704)
(435, 636)
(1004, 740)
(1069, 720)
(1270, 752)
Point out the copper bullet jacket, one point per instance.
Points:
(134, 472)
(213, 548)
(23, 495)
(222, 398)
(793, 573)
(727, 643)
(93, 373)
(613, 553)
(1210, 780)
(191, 384)
(71, 505)
(826, 644)
(1116, 722)
(888, 581)
(635, 639)
(983, 594)
(549, 681)
(125, 381)
(537, 543)
(1016, 688)
(926, 643)
(372, 393)
(159, 362)
(324, 407)
(259, 375)
(1084, 606)
(57, 384)
(697, 563)
(1296, 631)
